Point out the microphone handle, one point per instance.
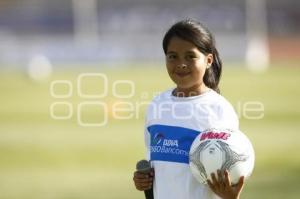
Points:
(149, 193)
(144, 166)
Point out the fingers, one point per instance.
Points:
(142, 181)
(227, 179)
(152, 172)
(215, 183)
(211, 186)
(240, 184)
(141, 177)
(219, 183)
(143, 187)
(221, 178)
(213, 178)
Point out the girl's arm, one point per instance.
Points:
(222, 185)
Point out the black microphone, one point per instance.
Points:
(144, 166)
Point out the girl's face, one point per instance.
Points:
(186, 65)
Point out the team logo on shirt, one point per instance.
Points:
(158, 138)
(171, 143)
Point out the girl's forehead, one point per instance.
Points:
(177, 44)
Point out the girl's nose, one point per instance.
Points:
(182, 66)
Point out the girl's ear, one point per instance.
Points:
(209, 60)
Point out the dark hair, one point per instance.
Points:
(196, 33)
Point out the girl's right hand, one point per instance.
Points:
(222, 186)
(143, 181)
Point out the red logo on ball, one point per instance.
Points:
(215, 135)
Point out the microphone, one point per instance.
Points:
(144, 166)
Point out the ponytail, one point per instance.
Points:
(213, 73)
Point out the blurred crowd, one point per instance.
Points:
(127, 30)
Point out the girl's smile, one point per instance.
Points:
(182, 74)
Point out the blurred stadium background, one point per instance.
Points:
(43, 41)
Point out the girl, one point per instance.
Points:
(177, 116)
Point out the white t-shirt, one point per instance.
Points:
(172, 123)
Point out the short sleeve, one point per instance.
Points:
(227, 116)
(147, 144)
(147, 137)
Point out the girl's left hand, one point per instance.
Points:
(222, 185)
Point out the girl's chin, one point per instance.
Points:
(184, 86)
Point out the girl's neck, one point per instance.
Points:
(189, 92)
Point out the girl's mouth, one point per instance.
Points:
(182, 74)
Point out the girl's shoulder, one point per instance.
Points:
(220, 101)
(163, 96)
(210, 97)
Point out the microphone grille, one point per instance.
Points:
(143, 165)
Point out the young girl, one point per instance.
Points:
(177, 116)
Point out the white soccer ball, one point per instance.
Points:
(39, 68)
(222, 149)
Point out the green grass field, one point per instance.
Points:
(43, 158)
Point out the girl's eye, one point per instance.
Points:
(191, 57)
(171, 57)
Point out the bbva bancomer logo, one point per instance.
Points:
(159, 139)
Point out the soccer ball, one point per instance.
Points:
(222, 149)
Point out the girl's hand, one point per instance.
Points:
(143, 181)
(223, 187)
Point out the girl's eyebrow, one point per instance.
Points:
(171, 52)
(190, 51)
(187, 52)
